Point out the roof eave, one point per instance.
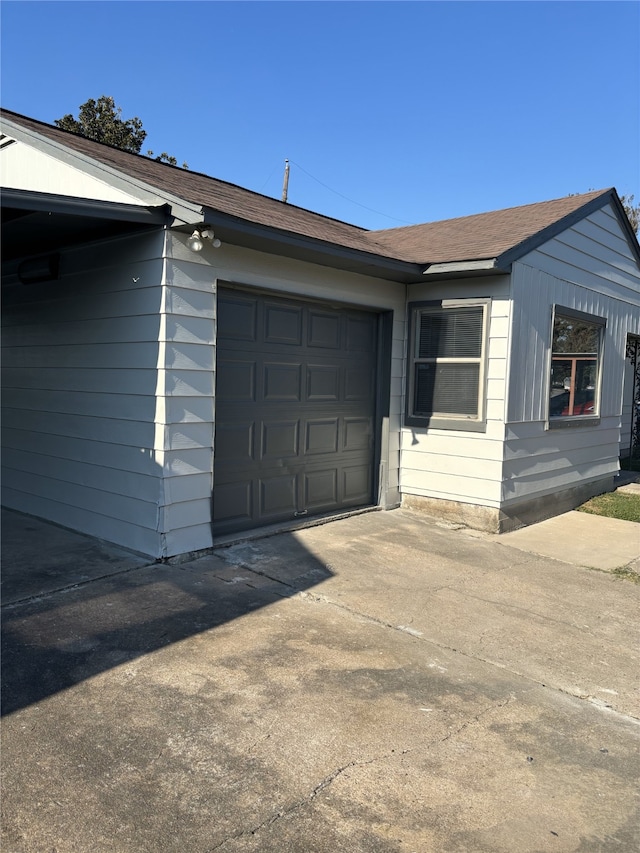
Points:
(264, 238)
(182, 209)
(536, 240)
(75, 206)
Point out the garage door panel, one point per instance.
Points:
(323, 382)
(321, 436)
(361, 333)
(233, 503)
(359, 383)
(358, 433)
(278, 496)
(280, 440)
(237, 318)
(295, 410)
(282, 324)
(356, 483)
(235, 444)
(282, 382)
(320, 489)
(236, 380)
(324, 329)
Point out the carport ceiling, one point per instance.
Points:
(37, 223)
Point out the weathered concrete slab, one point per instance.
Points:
(38, 557)
(541, 618)
(630, 489)
(581, 538)
(381, 683)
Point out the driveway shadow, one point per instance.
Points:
(63, 637)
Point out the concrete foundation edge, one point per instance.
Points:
(510, 516)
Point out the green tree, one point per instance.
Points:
(573, 336)
(632, 210)
(102, 121)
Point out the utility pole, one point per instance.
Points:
(285, 183)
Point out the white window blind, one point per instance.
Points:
(447, 368)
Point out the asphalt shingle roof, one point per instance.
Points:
(485, 235)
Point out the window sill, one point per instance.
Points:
(575, 421)
(435, 422)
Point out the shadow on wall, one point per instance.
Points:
(56, 639)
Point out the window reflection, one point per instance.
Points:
(574, 367)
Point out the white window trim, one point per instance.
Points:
(451, 421)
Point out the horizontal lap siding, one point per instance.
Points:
(538, 464)
(592, 269)
(185, 405)
(454, 464)
(79, 379)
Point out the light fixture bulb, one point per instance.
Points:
(195, 242)
(216, 243)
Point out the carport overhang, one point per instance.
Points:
(35, 224)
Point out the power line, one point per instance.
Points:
(268, 179)
(346, 198)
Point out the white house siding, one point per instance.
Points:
(23, 167)
(590, 268)
(457, 465)
(190, 309)
(79, 375)
(185, 403)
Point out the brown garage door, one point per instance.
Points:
(295, 409)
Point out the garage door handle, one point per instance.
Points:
(300, 512)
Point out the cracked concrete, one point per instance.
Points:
(380, 683)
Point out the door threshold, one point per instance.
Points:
(289, 526)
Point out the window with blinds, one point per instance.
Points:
(446, 369)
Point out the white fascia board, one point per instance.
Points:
(146, 194)
(461, 266)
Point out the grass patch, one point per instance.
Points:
(627, 575)
(614, 505)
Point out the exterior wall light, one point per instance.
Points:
(196, 241)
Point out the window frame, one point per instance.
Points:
(576, 420)
(448, 421)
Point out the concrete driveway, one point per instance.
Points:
(379, 683)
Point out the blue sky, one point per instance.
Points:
(390, 112)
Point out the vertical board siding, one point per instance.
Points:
(79, 375)
(455, 464)
(590, 268)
